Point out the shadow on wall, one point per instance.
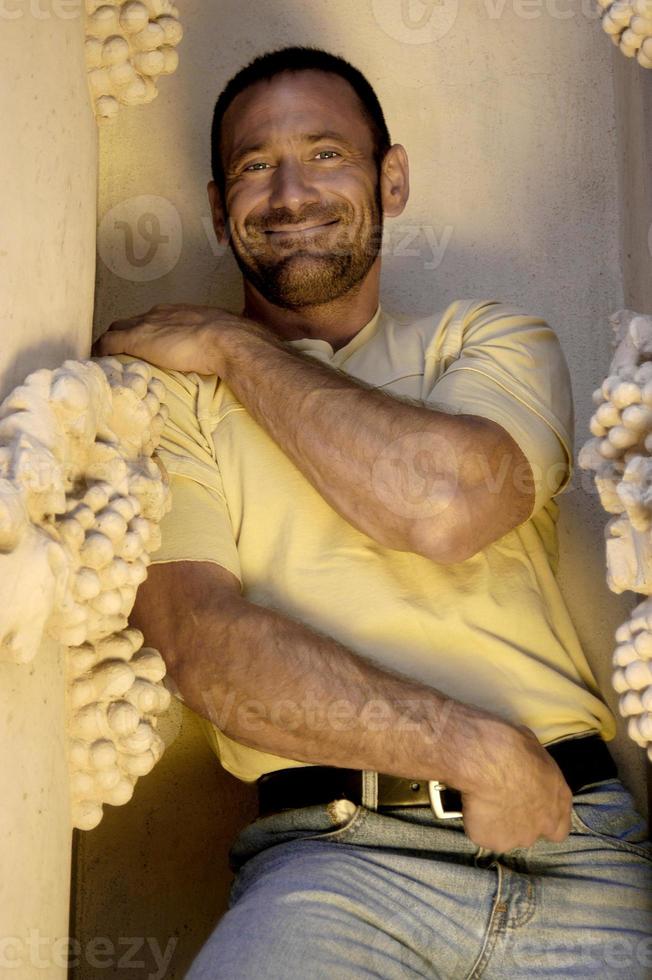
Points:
(46, 353)
(151, 881)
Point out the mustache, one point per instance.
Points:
(283, 217)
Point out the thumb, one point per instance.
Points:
(113, 342)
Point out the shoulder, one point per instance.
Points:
(444, 327)
(473, 320)
(186, 395)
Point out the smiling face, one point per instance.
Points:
(302, 194)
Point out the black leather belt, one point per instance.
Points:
(583, 761)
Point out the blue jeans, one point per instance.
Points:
(402, 894)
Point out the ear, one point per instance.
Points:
(394, 181)
(217, 212)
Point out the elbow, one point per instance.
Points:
(446, 539)
(443, 551)
(469, 531)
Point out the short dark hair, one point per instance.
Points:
(296, 59)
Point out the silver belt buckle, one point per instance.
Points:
(434, 793)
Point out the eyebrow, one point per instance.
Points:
(325, 134)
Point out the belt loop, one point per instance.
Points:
(370, 789)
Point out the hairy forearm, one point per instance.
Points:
(275, 685)
(414, 479)
(395, 470)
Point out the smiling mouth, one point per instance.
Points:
(300, 230)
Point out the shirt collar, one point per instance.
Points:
(324, 349)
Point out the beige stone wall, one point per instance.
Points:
(48, 169)
(634, 113)
(507, 110)
(48, 181)
(152, 880)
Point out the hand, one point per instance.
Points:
(518, 794)
(178, 337)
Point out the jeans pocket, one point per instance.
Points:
(290, 826)
(344, 828)
(606, 811)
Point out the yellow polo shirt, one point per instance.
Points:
(493, 630)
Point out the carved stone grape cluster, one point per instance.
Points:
(620, 456)
(629, 24)
(632, 678)
(80, 504)
(115, 696)
(128, 46)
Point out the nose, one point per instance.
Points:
(291, 187)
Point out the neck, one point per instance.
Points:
(336, 322)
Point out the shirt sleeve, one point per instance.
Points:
(198, 526)
(509, 367)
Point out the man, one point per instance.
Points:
(355, 584)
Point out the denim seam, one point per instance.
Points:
(529, 901)
(493, 929)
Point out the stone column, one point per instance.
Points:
(633, 89)
(48, 177)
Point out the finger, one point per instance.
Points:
(559, 836)
(563, 826)
(115, 342)
(163, 310)
(562, 829)
(127, 322)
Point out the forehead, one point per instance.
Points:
(292, 104)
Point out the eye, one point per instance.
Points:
(327, 154)
(254, 167)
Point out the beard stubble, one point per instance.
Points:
(294, 277)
